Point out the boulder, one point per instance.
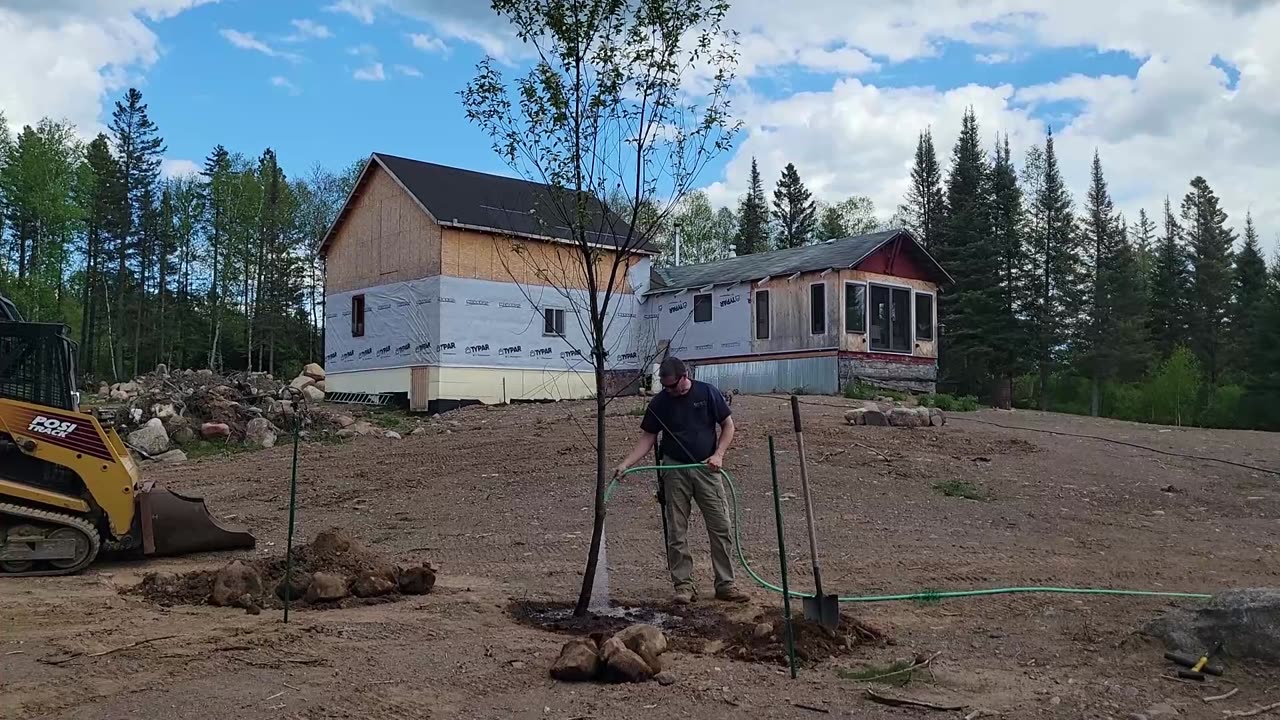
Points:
(392, 435)
(343, 421)
(579, 661)
(370, 585)
(119, 395)
(297, 586)
(172, 457)
(417, 580)
(856, 416)
(150, 438)
(646, 641)
(215, 431)
(313, 371)
(904, 417)
(937, 418)
(180, 431)
(163, 410)
(204, 372)
(621, 664)
(326, 587)
(260, 433)
(302, 381)
(104, 390)
(419, 431)
(234, 582)
(313, 394)
(162, 370)
(128, 387)
(319, 385)
(875, 417)
(1247, 622)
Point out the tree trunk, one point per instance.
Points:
(597, 527)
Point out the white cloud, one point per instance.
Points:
(178, 167)
(408, 71)
(74, 54)
(308, 30)
(374, 73)
(427, 43)
(285, 84)
(248, 41)
(364, 50)
(993, 58)
(361, 10)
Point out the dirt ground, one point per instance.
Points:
(499, 507)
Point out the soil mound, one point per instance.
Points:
(352, 575)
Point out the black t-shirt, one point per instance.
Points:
(687, 423)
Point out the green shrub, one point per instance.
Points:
(862, 391)
(1224, 407)
(950, 403)
(1173, 390)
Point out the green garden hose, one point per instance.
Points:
(926, 596)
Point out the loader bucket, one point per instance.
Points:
(174, 524)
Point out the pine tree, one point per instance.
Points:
(1169, 290)
(101, 194)
(1129, 344)
(1095, 348)
(753, 218)
(794, 209)
(1009, 339)
(1249, 296)
(217, 192)
(1054, 259)
(138, 148)
(1210, 241)
(971, 307)
(925, 206)
(1143, 238)
(1264, 372)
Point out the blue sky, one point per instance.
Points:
(1163, 93)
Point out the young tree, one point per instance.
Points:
(831, 224)
(794, 209)
(925, 206)
(1169, 289)
(1249, 296)
(753, 218)
(1053, 250)
(855, 215)
(1210, 241)
(1010, 339)
(971, 307)
(604, 108)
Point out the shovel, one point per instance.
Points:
(821, 608)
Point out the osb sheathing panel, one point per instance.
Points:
(385, 238)
(485, 256)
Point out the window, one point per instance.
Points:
(890, 328)
(357, 316)
(818, 309)
(855, 308)
(553, 322)
(702, 308)
(762, 315)
(924, 316)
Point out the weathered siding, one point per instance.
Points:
(486, 256)
(790, 328)
(385, 238)
(903, 372)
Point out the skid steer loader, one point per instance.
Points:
(68, 487)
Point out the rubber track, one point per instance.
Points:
(54, 518)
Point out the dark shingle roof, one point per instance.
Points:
(493, 202)
(842, 253)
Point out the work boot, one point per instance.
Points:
(732, 594)
(685, 596)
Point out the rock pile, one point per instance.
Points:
(163, 411)
(630, 656)
(1246, 622)
(896, 414)
(334, 570)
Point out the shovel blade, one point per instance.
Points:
(174, 524)
(824, 610)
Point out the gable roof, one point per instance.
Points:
(837, 254)
(472, 200)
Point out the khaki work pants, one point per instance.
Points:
(683, 488)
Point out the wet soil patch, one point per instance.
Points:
(703, 630)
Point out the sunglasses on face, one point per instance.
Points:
(674, 385)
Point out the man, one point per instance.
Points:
(687, 413)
